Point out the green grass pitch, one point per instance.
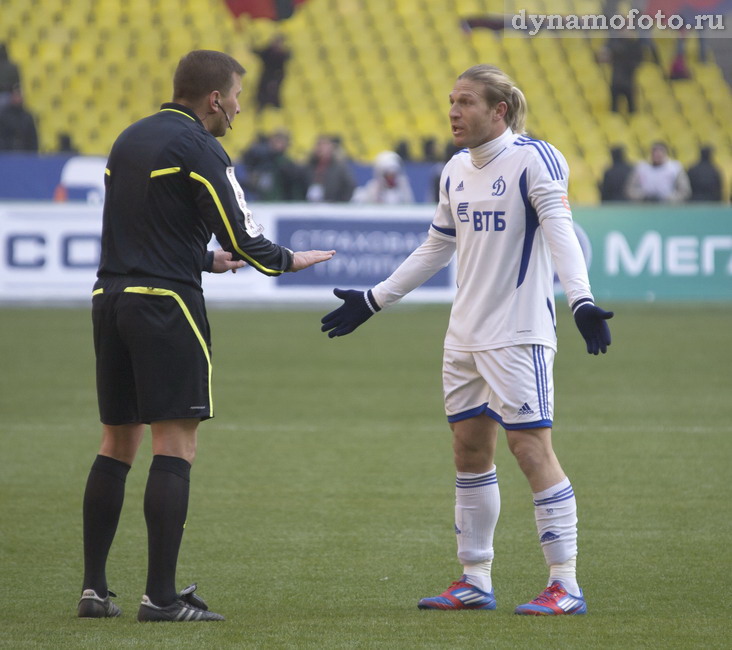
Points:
(322, 496)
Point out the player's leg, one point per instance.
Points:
(102, 505)
(555, 507)
(105, 487)
(166, 503)
(121, 442)
(555, 510)
(477, 499)
(526, 408)
(166, 509)
(522, 400)
(173, 373)
(535, 456)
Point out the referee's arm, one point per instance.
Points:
(221, 201)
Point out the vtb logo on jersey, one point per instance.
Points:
(499, 187)
(482, 220)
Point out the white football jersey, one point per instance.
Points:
(503, 207)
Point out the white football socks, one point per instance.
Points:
(555, 510)
(566, 573)
(477, 506)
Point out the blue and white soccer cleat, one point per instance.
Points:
(555, 600)
(460, 595)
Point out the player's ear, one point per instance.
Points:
(213, 100)
(501, 110)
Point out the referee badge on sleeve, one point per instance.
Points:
(253, 228)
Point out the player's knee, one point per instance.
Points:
(526, 456)
(472, 458)
(530, 452)
(176, 438)
(121, 442)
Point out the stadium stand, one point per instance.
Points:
(375, 72)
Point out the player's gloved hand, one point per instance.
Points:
(357, 308)
(592, 323)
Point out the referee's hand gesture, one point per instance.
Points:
(302, 259)
(222, 262)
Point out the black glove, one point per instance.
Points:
(592, 323)
(357, 308)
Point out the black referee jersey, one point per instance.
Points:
(169, 186)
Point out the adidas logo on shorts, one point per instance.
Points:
(525, 410)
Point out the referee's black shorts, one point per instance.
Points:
(153, 350)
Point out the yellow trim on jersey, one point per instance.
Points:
(96, 292)
(152, 291)
(227, 223)
(164, 172)
(107, 172)
(175, 110)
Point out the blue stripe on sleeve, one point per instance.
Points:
(551, 156)
(551, 312)
(450, 232)
(532, 223)
(547, 154)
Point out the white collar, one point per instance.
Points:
(484, 153)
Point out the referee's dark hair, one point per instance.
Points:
(202, 71)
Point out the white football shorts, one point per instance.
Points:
(513, 385)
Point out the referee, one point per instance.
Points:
(170, 186)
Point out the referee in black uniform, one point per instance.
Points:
(169, 186)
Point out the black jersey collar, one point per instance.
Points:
(179, 108)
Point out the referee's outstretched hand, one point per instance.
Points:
(592, 323)
(357, 308)
(302, 259)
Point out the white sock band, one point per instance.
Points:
(566, 573)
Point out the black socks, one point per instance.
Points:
(103, 498)
(166, 507)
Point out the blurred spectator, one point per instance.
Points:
(625, 54)
(645, 34)
(436, 172)
(494, 22)
(9, 76)
(660, 180)
(17, 126)
(251, 158)
(705, 178)
(65, 145)
(429, 150)
(390, 183)
(329, 177)
(610, 8)
(679, 68)
(274, 57)
(271, 174)
(681, 39)
(403, 151)
(615, 179)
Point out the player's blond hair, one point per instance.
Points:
(499, 87)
